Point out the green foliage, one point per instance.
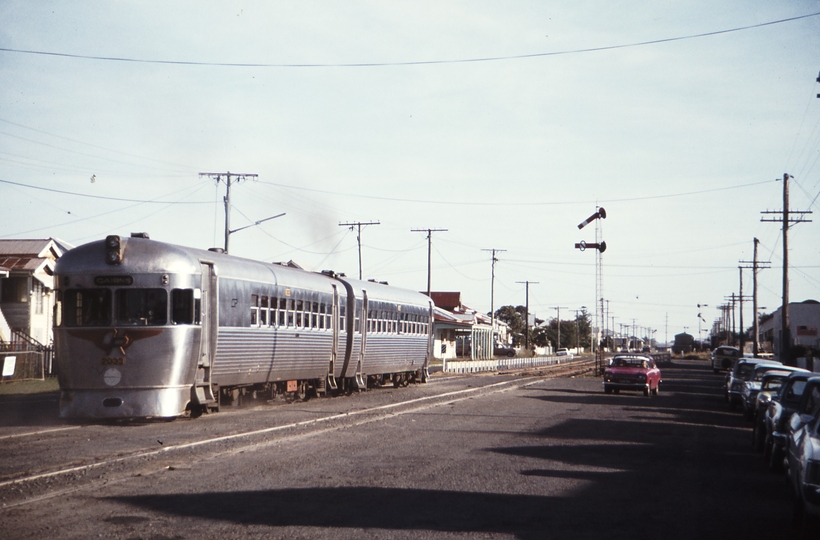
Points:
(573, 332)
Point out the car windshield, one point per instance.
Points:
(759, 373)
(773, 383)
(744, 371)
(794, 392)
(631, 362)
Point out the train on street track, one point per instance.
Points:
(146, 329)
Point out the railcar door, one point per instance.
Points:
(209, 319)
(334, 350)
(363, 321)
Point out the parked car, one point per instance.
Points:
(770, 387)
(736, 378)
(724, 358)
(563, 351)
(632, 372)
(751, 387)
(803, 471)
(807, 409)
(777, 416)
(503, 350)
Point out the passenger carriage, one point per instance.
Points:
(148, 329)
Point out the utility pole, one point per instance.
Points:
(358, 225)
(429, 247)
(577, 331)
(492, 290)
(226, 176)
(785, 332)
(756, 265)
(527, 313)
(558, 309)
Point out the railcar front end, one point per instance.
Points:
(127, 329)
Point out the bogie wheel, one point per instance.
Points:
(616, 390)
(646, 391)
(607, 390)
(301, 391)
(657, 389)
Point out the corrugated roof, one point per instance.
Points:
(20, 263)
(34, 248)
(446, 300)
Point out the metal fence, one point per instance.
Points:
(27, 365)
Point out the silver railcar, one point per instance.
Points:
(147, 329)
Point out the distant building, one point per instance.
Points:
(804, 322)
(462, 332)
(27, 289)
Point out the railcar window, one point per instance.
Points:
(254, 309)
(274, 304)
(342, 311)
(263, 310)
(87, 307)
(290, 313)
(182, 306)
(299, 309)
(143, 307)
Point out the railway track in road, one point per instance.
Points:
(36, 483)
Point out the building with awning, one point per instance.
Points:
(27, 289)
(462, 332)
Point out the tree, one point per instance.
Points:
(573, 332)
(515, 319)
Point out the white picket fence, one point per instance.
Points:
(522, 362)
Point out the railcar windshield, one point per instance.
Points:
(87, 307)
(143, 307)
(128, 307)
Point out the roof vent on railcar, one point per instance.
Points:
(140, 235)
(216, 250)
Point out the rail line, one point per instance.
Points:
(358, 417)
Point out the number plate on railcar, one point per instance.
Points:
(113, 361)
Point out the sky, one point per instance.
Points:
(504, 123)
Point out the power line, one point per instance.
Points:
(412, 62)
(102, 197)
(552, 203)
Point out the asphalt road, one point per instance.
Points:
(478, 457)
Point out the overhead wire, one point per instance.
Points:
(412, 62)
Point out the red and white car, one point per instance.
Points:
(635, 372)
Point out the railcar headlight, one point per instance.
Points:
(113, 249)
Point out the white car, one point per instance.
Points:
(563, 351)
